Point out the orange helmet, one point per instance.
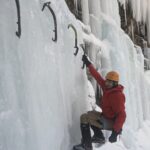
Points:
(113, 76)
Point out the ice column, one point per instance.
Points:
(85, 11)
(95, 24)
(111, 9)
(144, 9)
(94, 9)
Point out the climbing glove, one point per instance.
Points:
(86, 60)
(113, 137)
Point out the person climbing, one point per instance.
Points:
(113, 113)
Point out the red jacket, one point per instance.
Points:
(113, 101)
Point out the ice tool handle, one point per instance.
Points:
(18, 33)
(47, 4)
(76, 40)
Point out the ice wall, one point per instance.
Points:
(128, 60)
(42, 85)
(119, 53)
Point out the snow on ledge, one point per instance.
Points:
(88, 37)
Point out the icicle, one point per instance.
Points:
(141, 13)
(122, 2)
(132, 30)
(139, 8)
(94, 8)
(148, 22)
(111, 9)
(144, 10)
(76, 4)
(125, 14)
(85, 11)
(138, 11)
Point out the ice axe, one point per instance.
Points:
(76, 40)
(47, 4)
(18, 33)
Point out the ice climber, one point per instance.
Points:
(113, 110)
